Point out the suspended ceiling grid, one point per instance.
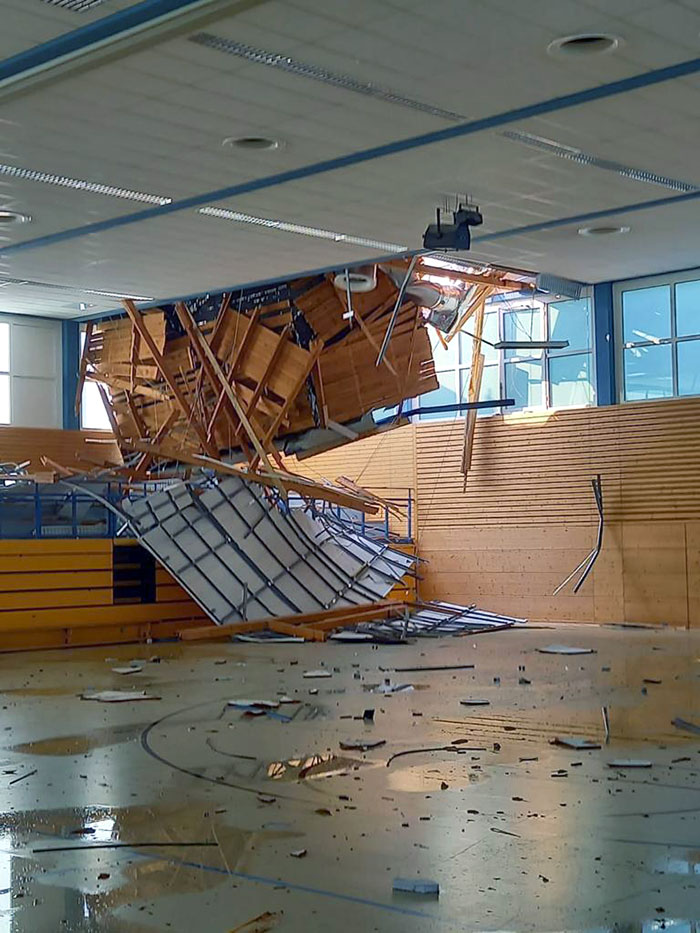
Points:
(154, 122)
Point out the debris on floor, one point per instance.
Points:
(254, 704)
(571, 741)
(565, 649)
(261, 924)
(118, 696)
(629, 763)
(416, 886)
(362, 745)
(685, 725)
(388, 687)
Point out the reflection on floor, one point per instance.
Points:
(184, 814)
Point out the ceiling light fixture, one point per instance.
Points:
(80, 184)
(75, 6)
(589, 43)
(254, 143)
(531, 345)
(13, 217)
(301, 229)
(7, 281)
(578, 155)
(316, 73)
(521, 344)
(604, 230)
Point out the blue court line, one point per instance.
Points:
(600, 92)
(108, 27)
(262, 879)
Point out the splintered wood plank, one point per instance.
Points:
(475, 377)
(199, 340)
(289, 482)
(317, 348)
(231, 322)
(148, 339)
(269, 369)
(123, 385)
(110, 412)
(215, 338)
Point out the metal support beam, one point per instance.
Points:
(70, 355)
(604, 344)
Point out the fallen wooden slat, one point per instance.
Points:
(210, 632)
(290, 481)
(317, 622)
(300, 631)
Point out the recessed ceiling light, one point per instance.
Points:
(254, 143)
(590, 43)
(602, 230)
(13, 217)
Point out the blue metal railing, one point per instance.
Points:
(382, 526)
(35, 510)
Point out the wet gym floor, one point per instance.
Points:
(184, 813)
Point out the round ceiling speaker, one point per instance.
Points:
(360, 279)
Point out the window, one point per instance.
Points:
(92, 412)
(534, 378)
(660, 327)
(4, 373)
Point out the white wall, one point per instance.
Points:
(35, 372)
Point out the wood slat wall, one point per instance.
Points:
(384, 462)
(528, 517)
(65, 447)
(530, 468)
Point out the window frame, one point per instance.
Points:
(502, 306)
(650, 281)
(6, 322)
(107, 429)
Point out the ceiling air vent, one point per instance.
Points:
(75, 6)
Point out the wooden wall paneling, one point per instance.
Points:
(65, 447)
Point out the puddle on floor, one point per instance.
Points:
(88, 885)
(81, 743)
